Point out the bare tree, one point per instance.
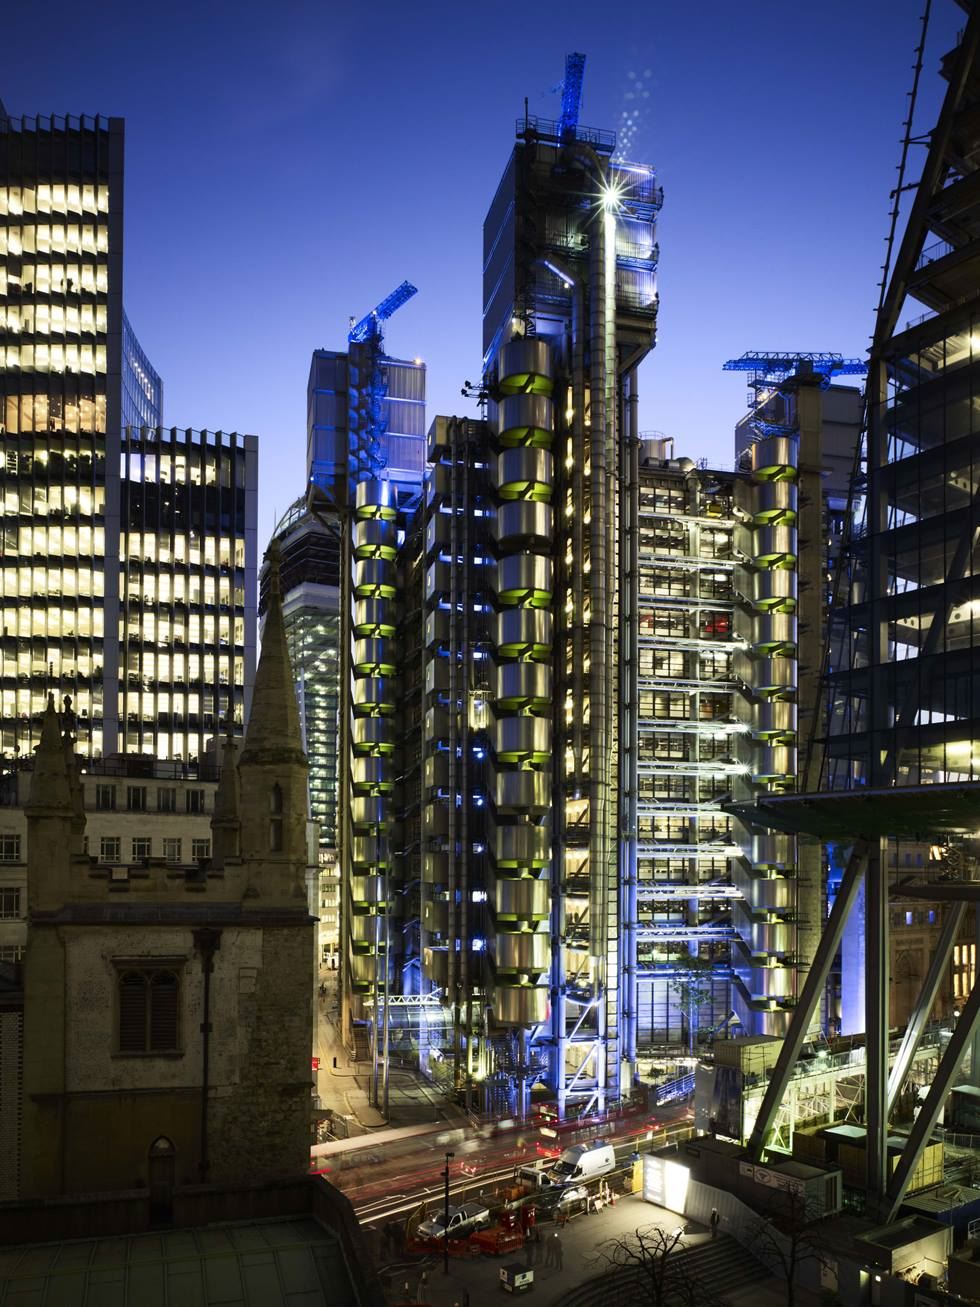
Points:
(647, 1268)
(788, 1238)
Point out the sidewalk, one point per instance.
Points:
(346, 1088)
(477, 1283)
(580, 1239)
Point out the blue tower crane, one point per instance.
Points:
(774, 368)
(367, 422)
(771, 372)
(571, 95)
(369, 327)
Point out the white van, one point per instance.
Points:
(583, 1162)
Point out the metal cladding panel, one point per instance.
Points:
(437, 724)
(524, 574)
(774, 542)
(524, 792)
(524, 364)
(368, 889)
(524, 521)
(774, 675)
(775, 588)
(769, 894)
(773, 851)
(435, 915)
(520, 1005)
(362, 966)
(771, 937)
(374, 657)
(523, 737)
(363, 927)
(438, 580)
(525, 473)
(435, 868)
(523, 845)
(523, 629)
(523, 951)
(371, 775)
(371, 812)
(520, 684)
(375, 538)
(775, 456)
(373, 733)
(526, 419)
(774, 630)
(498, 258)
(436, 675)
(438, 481)
(438, 627)
(372, 695)
(775, 499)
(374, 498)
(774, 762)
(373, 617)
(772, 982)
(438, 530)
(435, 963)
(437, 820)
(374, 578)
(437, 772)
(775, 717)
(525, 899)
(369, 851)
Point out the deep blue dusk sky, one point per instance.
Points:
(288, 164)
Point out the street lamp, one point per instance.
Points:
(445, 1228)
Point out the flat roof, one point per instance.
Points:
(292, 1263)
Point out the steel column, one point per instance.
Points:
(927, 997)
(929, 1111)
(876, 1019)
(809, 998)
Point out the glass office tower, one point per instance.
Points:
(61, 219)
(128, 567)
(310, 581)
(187, 567)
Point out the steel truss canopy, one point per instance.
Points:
(907, 812)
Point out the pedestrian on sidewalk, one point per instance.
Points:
(549, 1252)
(715, 1221)
(559, 1253)
(536, 1244)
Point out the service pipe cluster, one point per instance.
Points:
(523, 698)
(372, 735)
(768, 932)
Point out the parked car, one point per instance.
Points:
(462, 1221)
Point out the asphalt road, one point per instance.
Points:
(386, 1180)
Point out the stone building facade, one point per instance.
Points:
(167, 1007)
(136, 808)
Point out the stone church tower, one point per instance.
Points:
(168, 1010)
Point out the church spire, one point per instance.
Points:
(273, 733)
(74, 780)
(50, 787)
(226, 822)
